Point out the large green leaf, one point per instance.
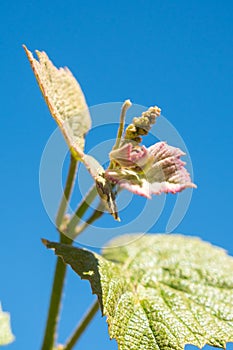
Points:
(161, 291)
(6, 335)
(64, 98)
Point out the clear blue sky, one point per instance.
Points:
(178, 55)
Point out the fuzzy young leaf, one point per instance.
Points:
(146, 171)
(161, 291)
(6, 335)
(64, 98)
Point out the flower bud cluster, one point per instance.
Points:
(141, 125)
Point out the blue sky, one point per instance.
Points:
(178, 55)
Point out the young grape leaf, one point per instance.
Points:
(6, 335)
(64, 98)
(160, 291)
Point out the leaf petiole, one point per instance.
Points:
(81, 327)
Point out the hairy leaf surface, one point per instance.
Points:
(64, 98)
(160, 291)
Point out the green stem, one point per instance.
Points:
(99, 211)
(67, 191)
(80, 211)
(51, 326)
(82, 326)
(60, 271)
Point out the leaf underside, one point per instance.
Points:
(160, 291)
(64, 98)
(6, 335)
